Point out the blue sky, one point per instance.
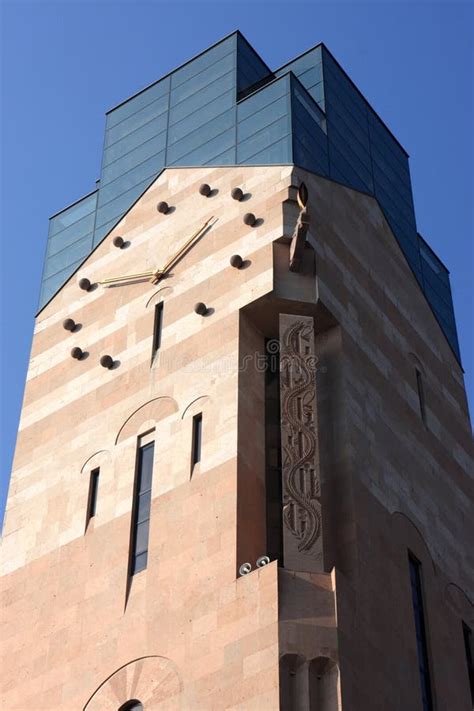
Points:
(65, 63)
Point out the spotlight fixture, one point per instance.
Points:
(245, 569)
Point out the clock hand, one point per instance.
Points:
(156, 274)
(124, 277)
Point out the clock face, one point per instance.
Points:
(166, 241)
(152, 276)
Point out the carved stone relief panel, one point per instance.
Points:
(301, 482)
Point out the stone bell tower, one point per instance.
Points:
(241, 475)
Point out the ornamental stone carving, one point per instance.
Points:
(301, 483)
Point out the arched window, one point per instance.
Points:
(141, 505)
(132, 705)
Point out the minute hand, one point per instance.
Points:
(161, 271)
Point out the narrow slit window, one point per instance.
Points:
(467, 635)
(273, 484)
(92, 498)
(141, 508)
(197, 440)
(420, 628)
(157, 328)
(421, 393)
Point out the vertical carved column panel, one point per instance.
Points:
(301, 483)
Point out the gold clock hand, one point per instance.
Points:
(160, 272)
(186, 245)
(156, 274)
(124, 277)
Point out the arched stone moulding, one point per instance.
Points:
(407, 534)
(460, 603)
(101, 460)
(195, 406)
(416, 362)
(145, 417)
(186, 434)
(154, 681)
(96, 460)
(158, 296)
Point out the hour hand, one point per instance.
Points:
(127, 277)
(156, 274)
